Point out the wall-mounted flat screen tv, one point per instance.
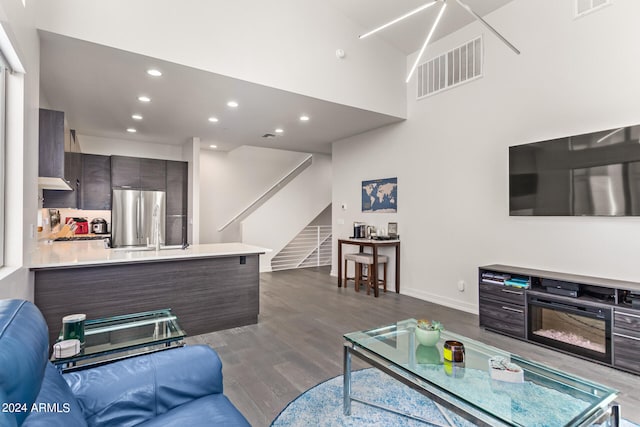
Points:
(594, 174)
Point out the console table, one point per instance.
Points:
(585, 316)
(374, 245)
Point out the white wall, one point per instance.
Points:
(231, 181)
(286, 44)
(274, 224)
(121, 147)
(21, 195)
(451, 157)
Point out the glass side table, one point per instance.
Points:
(119, 337)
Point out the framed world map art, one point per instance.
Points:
(380, 195)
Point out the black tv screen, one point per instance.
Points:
(594, 174)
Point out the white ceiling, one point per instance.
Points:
(97, 88)
(409, 34)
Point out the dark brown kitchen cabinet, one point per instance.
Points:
(175, 230)
(138, 173)
(54, 162)
(125, 172)
(90, 177)
(95, 184)
(72, 174)
(153, 174)
(51, 144)
(176, 222)
(176, 188)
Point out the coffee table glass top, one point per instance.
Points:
(545, 397)
(118, 333)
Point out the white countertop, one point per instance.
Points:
(93, 252)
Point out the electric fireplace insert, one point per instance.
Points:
(570, 325)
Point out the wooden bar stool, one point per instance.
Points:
(354, 258)
(361, 259)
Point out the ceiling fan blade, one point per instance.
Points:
(489, 27)
(398, 19)
(426, 42)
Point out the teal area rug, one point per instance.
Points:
(322, 405)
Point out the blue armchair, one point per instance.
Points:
(177, 387)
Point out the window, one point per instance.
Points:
(3, 133)
(11, 98)
(450, 69)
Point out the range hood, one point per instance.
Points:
(51, 183)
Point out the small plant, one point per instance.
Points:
(428, 325)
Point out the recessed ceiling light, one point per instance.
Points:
(279, 130)
(131, 130)
(213, 146)
(153, 72)
(144, 99)
(213, 119)
(304, 118)
(232, 104)
(136, 117)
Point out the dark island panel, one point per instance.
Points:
(207, 294)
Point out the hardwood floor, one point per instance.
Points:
(297, 342)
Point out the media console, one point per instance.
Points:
(593, 318)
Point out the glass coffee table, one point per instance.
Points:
(542, 396)
(111, 338)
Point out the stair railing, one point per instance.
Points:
(270, 192)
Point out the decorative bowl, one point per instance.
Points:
(427, 338)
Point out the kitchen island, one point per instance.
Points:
(209, 287)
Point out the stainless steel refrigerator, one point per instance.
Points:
(137, 217)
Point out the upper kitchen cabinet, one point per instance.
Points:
(95, 183)
(90, 177)
(125, 172)
(58, 171)
(138, 173)
(153, 174)
(73, 175)
(51, 147)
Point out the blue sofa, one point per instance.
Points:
(177, 387)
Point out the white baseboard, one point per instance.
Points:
(436, 299)
(439, 299)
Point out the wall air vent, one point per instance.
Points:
(584, 7)
(459, 65)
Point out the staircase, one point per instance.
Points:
(264, 197)
(310, 248)
(276, 223)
